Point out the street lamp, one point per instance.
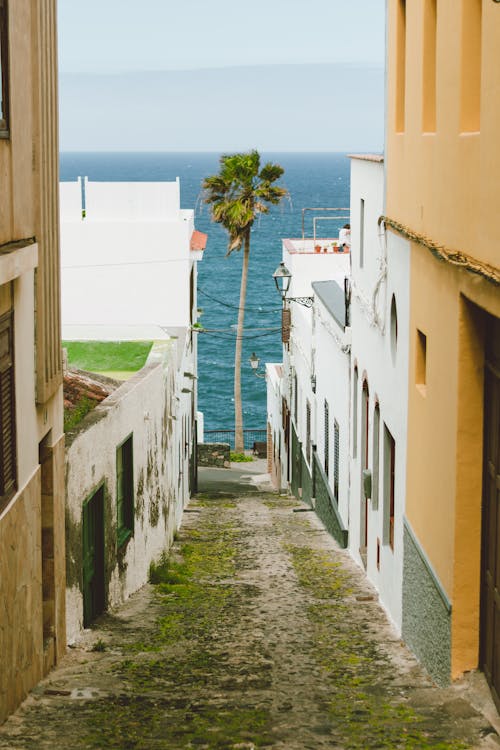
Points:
(254, 364)
(282, 278)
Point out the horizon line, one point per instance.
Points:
(340, 63)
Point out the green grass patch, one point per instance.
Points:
(74, 415)
(240, 458)
(108, 356)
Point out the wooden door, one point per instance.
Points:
(93, 557)
(490, 588)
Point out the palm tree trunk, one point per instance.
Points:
(239, 445)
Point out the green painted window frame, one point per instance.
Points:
(125, 491)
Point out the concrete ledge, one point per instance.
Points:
(17, 259)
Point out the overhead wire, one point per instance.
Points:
(236, 307)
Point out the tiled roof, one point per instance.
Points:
(198, 240)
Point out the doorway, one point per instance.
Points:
(93, 557)
(490, 574)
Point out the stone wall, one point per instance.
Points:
(214, 454)
(426, 612)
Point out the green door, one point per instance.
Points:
(296, 463)
(93, 557)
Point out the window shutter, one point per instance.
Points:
(7, 409)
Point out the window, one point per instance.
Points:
(471, 54)
(429, 71)
(125, 491)
(327, 438)
(308, 432)
(336, 466)
(376, 451)
(365, 425)
(355, 414)
(389, 486)
(8, 455)
(365, 403)
(295, 399)
(4, 69)
(362, 233)
(400, 65)
(394, 328)
(421, 362)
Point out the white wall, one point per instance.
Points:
(151, 407)
(128, 261)
(277, 388)
(386, 371)
(332, 367)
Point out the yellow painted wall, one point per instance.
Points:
(452, 193)
(443, 184)
(28, 208)
(21, 642)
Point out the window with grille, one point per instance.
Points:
(308, 432)
(8, 457)
(327, 438)
(336, 459)
(4, 69)
(125, 490)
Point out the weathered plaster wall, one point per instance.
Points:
(21, 615)
(151, 407)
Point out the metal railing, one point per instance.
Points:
(227, 436)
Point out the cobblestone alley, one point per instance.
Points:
(257, 632)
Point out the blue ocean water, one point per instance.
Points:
(313, 180)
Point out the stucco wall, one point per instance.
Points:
(145, 251)
(382, 360)
(21, 616)
(151, 408)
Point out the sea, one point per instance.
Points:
(312, 180)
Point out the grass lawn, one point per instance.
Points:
(116, 359)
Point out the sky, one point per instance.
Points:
(122, 35)
(179, 58)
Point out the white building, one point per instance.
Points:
(129, 274)
(302, 393)
(379, 307)
(337, 408)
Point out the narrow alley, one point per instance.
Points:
(256, 632)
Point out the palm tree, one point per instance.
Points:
(237, 195)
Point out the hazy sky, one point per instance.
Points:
(221, 74)
(123, 35)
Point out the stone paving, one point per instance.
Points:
(256, 632)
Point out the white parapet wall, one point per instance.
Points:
(127, 260)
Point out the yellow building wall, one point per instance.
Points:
(21, 622)
(32, 534)
(443, 185)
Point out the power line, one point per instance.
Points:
(236, 307)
